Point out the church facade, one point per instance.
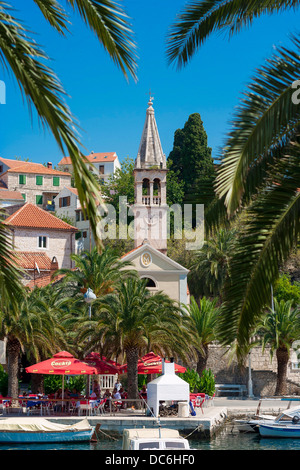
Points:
(149, 256)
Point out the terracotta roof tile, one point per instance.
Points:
(6, 194)
(93, 157)
(29, 260)
(17, 166)
(31, 216)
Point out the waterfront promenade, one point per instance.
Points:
(206, 422)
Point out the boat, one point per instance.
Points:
(40, 430)
(287, 424)
(252, 424)
(153, 439)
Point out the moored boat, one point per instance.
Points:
(252, 424)
(39, 430)
(153, 439)
(287, 424)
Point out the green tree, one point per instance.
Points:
(210, 267)
(175, 185)
(132, 320)
(97, 271)
(11, 287)
(203, 317)
(258, 174)
(284, 289)
(121, 183)
(42, 89)
(280, 328)
(191, 160)
(29, 328)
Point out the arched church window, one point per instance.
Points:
(150, 282)
(156, 187)
(146, 187)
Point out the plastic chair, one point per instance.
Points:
(84, 405)
(100, 408)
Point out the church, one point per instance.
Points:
(149, 256)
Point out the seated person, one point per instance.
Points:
(116, 394)
(143, 392)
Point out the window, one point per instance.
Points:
(149, 445)
(39, 180)
(1, 168)
(56, 181)
(39, 199)
(64, 201)
(42, 241)
(22, 179)
(101, 169)
(149, 282)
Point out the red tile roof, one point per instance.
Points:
(93, 157)
(31, 216)
(17, 166)
(6, 194)
(29, 260)
(73, 190)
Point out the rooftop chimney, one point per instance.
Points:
(49, 165)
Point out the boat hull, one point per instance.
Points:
(44, 437)
(279, 431)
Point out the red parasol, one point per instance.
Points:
(62, 363)
(102, 366)
(151, 364)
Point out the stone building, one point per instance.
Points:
(103, 164)
(66, 203)
(37, 231)
(37, 183)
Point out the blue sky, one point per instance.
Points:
(110, 110)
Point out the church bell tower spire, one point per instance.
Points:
(150, 178)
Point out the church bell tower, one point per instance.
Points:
(150, 179)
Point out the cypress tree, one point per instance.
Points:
(192, 161)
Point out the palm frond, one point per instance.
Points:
(272, 229)
(44, 92)
(199, 19)
(11, 288)
(54, 14)
(266, 120)
(110, 24)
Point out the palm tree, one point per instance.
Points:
(279, 329)
(210, 267)
(97, 271)
(10, 274)
(203, 316)
(27, 61)
(201, 18)
(28, 328)
(259, 167)
(132, 319)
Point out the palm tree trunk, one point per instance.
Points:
(13, 352)
(132, 356)
(282, 355)
(202, 360)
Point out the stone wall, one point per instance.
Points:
(31, 189)
(59, 244)
(263, 371)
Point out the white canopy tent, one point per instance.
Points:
(167, 387)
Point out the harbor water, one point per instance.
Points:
(225, 441)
